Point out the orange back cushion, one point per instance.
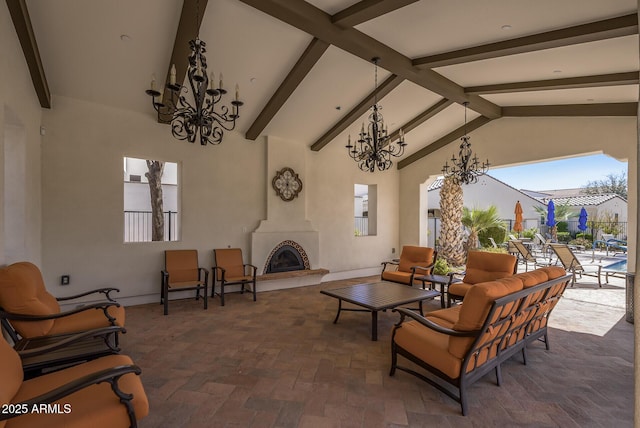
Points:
(22, 291)
(230, 259)
(483, 266)
(414, 256)
(475, 309)
(182, 265)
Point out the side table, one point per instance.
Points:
(443, 280)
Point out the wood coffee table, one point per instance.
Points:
(378, 296)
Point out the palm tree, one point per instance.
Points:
(477, 220)
(562, 212)
(451, 236)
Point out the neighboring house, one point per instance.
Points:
(486, 192)
(595, 205)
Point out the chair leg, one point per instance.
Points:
(394, 359)
(499, 375)
(524, 355)
(204, 296)
(546, 340)
(254, 291)
(166, 299)
(221, 294)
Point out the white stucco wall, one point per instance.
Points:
(20, 119)
(222, 200)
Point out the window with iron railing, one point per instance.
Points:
(150, 200)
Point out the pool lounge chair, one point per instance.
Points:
(527, 258)
(613, 244)
(573, 265)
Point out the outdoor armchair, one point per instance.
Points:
(414, 261)
(230, 269)
(571, 264)
(106, 392)
(181, 272)
(28, 310)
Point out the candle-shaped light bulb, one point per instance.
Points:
(172, 74)
(212, 79)
(220, 86)
(401, 134)
(153, 82)
(237, 92)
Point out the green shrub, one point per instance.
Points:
(564, 237)
(441, 267)
(581, 241)
(587, 236)
(562, 226)
(530, 233)
(498, 234)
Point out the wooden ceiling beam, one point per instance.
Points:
(316, 22)
(305, 63)
(24, 30)
(444, 141)
(367, 10)
(614, 79)
(188, 29)
(383, 89)
(567, 110)
(353, 15)
(625, 25)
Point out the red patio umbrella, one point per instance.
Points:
(517, 226)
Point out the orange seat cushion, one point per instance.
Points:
(450, 315)
(429, 346)
(400, 277)
(87, 320)
(95, 406)
(12, 374)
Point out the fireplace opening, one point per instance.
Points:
(287, 256)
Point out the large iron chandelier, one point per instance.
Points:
(466, 168)
(205, 116)
(374, 148)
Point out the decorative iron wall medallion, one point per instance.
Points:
(287, 184)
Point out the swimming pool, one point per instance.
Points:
(620, 266)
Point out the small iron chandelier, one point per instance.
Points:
(374, 148)
(466, 168)
(206, 116)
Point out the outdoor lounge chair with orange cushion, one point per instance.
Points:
(414, 261)
(181, 272)
(106, 392)
(28, 310)
(230, 269)
(482, 266)
(571, 264)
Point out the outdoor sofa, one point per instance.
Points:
(497, 319)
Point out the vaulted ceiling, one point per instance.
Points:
(305, 71)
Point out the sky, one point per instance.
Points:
(560, 174)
